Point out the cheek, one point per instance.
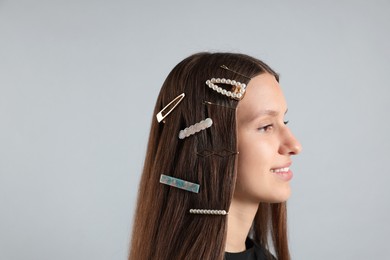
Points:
(255, 182)
(255, 155)
(254, 179)
(254, 162)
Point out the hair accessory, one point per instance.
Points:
(169, 108)
(178, 183)
(220, 153)
(215, 104)
(202, 125)
(226, 68)
(208, 212)
(237, 92)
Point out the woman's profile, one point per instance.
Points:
(217, 169)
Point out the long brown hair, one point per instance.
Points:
(163, 227)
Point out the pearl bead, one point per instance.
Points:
(239, 90)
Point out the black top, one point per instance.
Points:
(252, 252)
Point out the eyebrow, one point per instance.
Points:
(267, 112)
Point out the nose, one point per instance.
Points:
(289, 143)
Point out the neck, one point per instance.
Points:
(240, 219)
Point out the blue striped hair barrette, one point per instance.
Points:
(178, 183)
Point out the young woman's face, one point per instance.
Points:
(265, 143)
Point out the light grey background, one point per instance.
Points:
(78, 82)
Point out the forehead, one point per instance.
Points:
(263, 95)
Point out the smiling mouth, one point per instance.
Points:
(281, 170)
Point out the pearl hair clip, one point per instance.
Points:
(169, 108)
(208, 212)
(193, 129)
(237, 92)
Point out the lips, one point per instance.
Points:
(283, 168)
(283, 172)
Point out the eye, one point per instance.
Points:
(266, 128)
(286, 122)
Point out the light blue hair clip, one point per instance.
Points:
(178, 183)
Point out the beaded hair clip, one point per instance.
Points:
(193, 129)
(209, 212)
(237, 92)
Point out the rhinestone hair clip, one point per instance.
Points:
(178, 183)
(193, 129)
(209, 212)
(169, 108)
(237, 92)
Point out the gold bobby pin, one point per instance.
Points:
(226, 68)
(215, 104)
(170, 107)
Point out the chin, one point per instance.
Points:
(278, 195)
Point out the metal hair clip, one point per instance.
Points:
(169, 108)
(221, 153)
(226, 68)
(209, 212)
(215, 104)
(237, 92)
(178, 183)
(193, 129)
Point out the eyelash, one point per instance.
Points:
(265, 128)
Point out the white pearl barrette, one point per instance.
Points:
(208, 212)
(202, 125)
(237, 92)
